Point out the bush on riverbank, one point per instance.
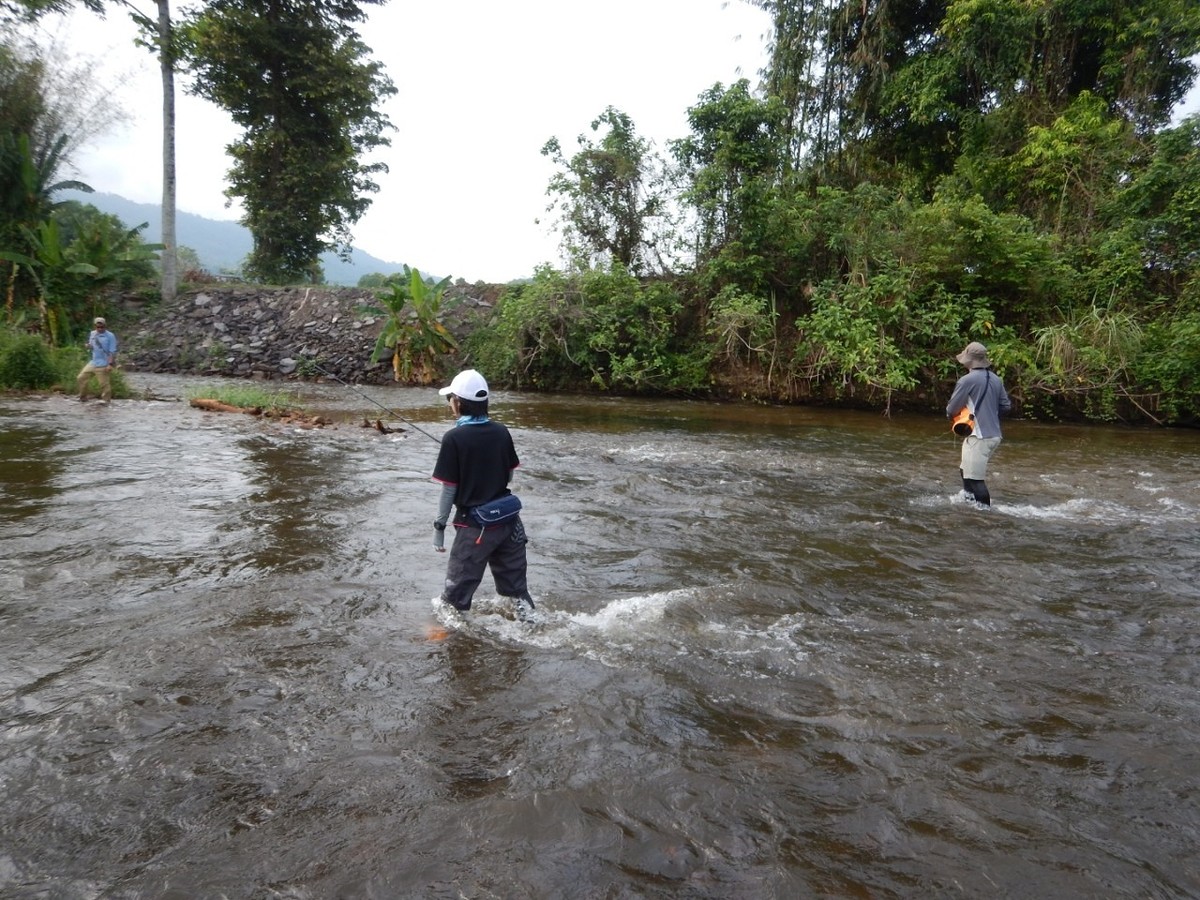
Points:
(27, 362)
(883, 343)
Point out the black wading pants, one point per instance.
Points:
(501, 547)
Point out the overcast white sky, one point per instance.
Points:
(482, 86)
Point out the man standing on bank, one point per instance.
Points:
(103, 344)
(982, 392)
(474, 467)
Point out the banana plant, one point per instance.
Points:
(29, 180)
(47, 265)
(413, 332)
(69, 273)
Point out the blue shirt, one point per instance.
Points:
(103, 345)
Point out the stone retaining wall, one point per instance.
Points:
(268, 333)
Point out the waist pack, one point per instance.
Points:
(496, 512)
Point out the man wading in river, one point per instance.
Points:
(103, 345)
(474, 467)
(982, 393)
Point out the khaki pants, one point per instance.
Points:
(102, 375)
(976, 453)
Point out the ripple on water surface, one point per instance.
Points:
(774, 657)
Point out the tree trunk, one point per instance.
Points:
(166, 58)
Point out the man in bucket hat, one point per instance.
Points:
(103, 344)
(982, 392)
(474, 467)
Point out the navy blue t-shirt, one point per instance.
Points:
(478, 460)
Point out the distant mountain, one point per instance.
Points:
(221, 246)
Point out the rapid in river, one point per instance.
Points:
(777, 656)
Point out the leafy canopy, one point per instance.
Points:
(296, 77)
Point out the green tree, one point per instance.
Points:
(13, 12)
(1151, 249)
(56, 257)
(295, 77)
(82, 107)
(75, 255)
(373, 280)
(731, 165)
(27, 198)
(611, 196)
(44, 116)
(907, 86)
(188, 261)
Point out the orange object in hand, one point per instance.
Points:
(963, 423)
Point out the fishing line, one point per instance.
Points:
(390, 412)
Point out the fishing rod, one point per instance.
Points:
(390, 412)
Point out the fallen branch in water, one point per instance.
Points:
(218, 406)
(287, 416)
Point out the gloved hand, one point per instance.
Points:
(439, 537)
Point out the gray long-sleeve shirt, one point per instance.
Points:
(970, 391)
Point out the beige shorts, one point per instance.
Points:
(976, 452)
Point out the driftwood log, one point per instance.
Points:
(287, 416)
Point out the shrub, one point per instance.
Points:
(601, 328)
(1170, 364)
(25, 364)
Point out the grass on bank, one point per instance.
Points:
(247, 396)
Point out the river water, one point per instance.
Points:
(777, 656)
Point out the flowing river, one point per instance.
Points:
(777, 657)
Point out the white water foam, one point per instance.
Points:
(1078, 509)
(616, 629)
(1103, 512)
(636, 630)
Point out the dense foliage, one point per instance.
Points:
(602, 327)
(910, 176)
(904, 178)
(609, 197)
(57, 260)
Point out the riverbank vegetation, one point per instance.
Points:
(906, 179)
(29, 363)
(899, 180)
(247, 396)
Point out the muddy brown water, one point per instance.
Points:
(777, 657)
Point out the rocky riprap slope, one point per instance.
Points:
(245, 331)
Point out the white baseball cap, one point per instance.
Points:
(467, 385)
